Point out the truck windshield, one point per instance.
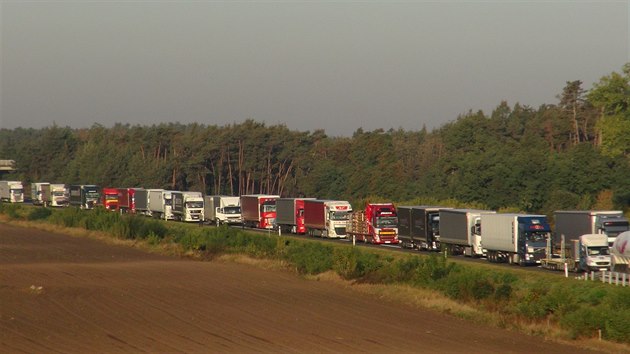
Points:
(168, 201)
(536, 236)
(339, 215)
(390, 221)
(191, 205)
(58, 194)
(93, 195)
(111, 197)
(232, 210)
(268, 208)
(16, 191)
(434, 223)
(598, 251)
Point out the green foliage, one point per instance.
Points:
(617, 326)
(468, 286)
(13, 211)
(585, 321)
(310, 257)
(39, 214)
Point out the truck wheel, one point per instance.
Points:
(517, 260)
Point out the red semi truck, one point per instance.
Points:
(259, 210)
(377, 224)
(326, 218)
(110, 198)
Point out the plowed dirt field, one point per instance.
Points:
(61, 293)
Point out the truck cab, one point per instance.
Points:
(337, 217)
(532, 240)
(188, 206)
(611, 226)
(221, 209)
(12, 191)
(267, 213)
(110, 198)
(377, 224)
(58, 195)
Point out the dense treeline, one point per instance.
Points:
(571, 154)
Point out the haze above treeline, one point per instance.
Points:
(311, 65)
(573, 154)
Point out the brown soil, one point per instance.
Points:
(69, 294)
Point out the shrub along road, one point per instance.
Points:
(71, 294)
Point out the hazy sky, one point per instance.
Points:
(333, 65)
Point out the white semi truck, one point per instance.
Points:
(221, 209)
(58, 195)
(11, 191)
(187, 206)
(327, 218)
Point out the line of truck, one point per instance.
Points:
(582, 241)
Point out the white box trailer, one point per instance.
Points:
(620, 253)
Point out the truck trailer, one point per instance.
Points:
(515, 238)
(84, 196)
(127, 199)
(419, 227)
(460, 231)
(326, 218)
(187, 206)
(259, 210)
(161, 204)
(620, 253)
(377, 224)
(572, 224)
(11, 191)
(141, 200)
(40, 193)
(222, 209)
(290, 215)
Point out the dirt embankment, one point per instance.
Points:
(67, 294)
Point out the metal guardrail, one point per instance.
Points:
(607, 277)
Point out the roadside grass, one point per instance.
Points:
(535, 303)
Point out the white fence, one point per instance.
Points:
(614, 278)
